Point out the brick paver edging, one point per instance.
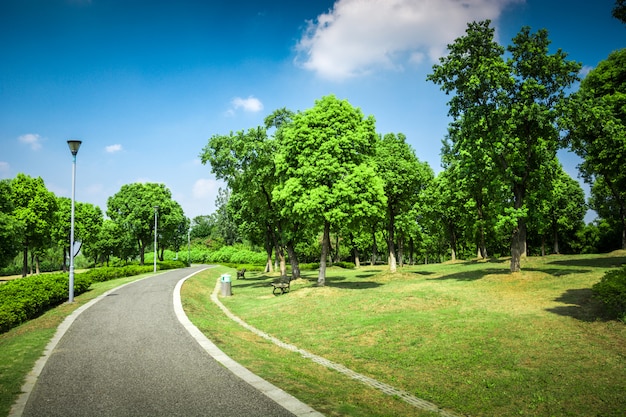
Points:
(381, 386)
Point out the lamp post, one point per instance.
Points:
(189, 246)
(156, 210)
(74, 145)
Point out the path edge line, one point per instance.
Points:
(284, 399)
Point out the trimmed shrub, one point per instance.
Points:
(611, 290)
(345, 265)
(25, 298)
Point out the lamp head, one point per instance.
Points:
(74, 145)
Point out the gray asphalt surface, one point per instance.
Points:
(128, 355)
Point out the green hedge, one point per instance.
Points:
(25, 298)
(611, 290)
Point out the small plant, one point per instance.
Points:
(611, 290)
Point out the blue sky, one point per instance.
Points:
(145, 84)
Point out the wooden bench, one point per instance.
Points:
(283, 285)
(241, 273)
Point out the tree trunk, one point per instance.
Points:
(337, 255)
(411, 251)
(515, 251)
(555, 238)
(522, 238)
(401, 250)
(37, 270)
(374, 248)
(293, 260)
(142, 250)
(321, 278)
(25, 262)
(452, 243)
(391, 244)
(268, 249)
(357, 261)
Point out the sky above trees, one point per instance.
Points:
(145, 84)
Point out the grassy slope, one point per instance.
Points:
(467, 336)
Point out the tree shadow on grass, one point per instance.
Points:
(471, 275)
(599, 262)
(581, 305)
(352, 285)
(557, 272)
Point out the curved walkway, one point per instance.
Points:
(127, 354)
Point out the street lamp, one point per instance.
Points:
(156, 210)
(74, 145)
(189, 246)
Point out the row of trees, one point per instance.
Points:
(33, 220)
(325, 171)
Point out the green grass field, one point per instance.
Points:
(467, 336)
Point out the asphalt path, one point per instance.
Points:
(129, 355)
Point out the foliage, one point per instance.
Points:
(611, 290)
(35, 208)
(504, 114)
(324, 162)
(25, 298)
(596, 123)
(11, 229)
(133, 210)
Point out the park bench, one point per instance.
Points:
(283, 285)
(241, 273)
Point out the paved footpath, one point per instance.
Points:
(129, 355)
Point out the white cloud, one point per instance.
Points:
(250, 104)
(113, 148)
(31, 139)
(584, 71)
(204, 188)
(358, 37)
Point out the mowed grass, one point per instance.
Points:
(467, 336)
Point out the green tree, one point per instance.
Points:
(596, 126)
(133, 209)
(11, 230)
(245, 161)
(558, 212)
(404, 176)
(202, 226)
(507, 110)
(87, 223)
(35, 208)
(323, 163)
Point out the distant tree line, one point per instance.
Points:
(36, 224)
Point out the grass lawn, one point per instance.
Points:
(467, 336)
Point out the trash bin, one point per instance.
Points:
(226, 285)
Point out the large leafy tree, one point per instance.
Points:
(35, 208)
(404, 176)
(133, 209)
(245, 160)
(507, 111)
(11, 230)
(597, 131)
(323, 162)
